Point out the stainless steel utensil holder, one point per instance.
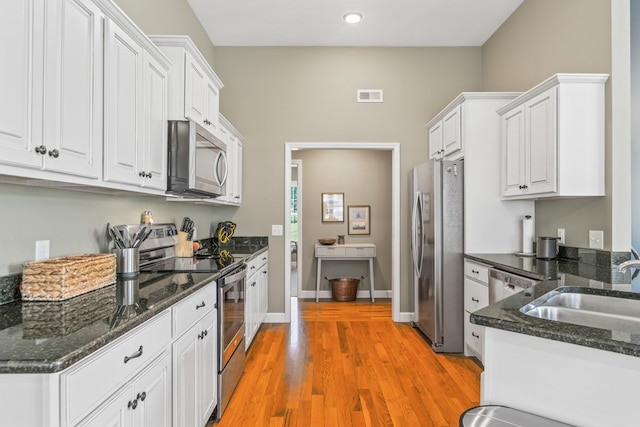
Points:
(127, 261)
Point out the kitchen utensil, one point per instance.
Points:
(116, 237)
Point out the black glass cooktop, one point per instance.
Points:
(201, 265)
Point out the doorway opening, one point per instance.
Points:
(394, 148)
(295, 233)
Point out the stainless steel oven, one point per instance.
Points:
(231, 348)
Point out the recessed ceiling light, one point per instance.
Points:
(352, 17)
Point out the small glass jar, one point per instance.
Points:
(341, 239)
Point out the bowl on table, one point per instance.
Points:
(327, 241)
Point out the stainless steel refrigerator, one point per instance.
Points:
(437, 223)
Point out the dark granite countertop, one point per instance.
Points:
(506, 315)
(551, 269)
(48, 337)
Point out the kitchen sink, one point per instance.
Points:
(597, 311)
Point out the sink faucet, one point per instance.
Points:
(633, 263)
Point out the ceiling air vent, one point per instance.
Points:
(369, 95)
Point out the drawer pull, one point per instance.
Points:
(475, 271)
(475, 299)
(142, 396)
(202, 304)
(473, 334)
(133, 356)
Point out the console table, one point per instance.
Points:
(346, 252)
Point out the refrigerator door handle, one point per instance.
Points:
(416, 235)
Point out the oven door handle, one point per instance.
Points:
(233, 277)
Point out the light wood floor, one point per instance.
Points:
(349, 364)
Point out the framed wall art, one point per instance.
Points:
(332, 207)
(359, 219)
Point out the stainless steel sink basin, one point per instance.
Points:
(598, 311)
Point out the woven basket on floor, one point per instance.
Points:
(61, 278)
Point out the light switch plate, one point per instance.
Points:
(596, 239)
(276, 230)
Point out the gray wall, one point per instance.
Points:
(279, 95)
(365, 179)
(168, 17)
(541, 38)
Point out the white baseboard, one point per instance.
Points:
(361, 294)
(275, 318)
(405, 317)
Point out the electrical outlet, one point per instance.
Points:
(596, 239)
(561, 235)
(42, 249)
(276, 230)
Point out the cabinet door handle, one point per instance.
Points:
(142, 174)
(54, 153)
(202, 304)
(133, 404)
(475, 299)
(473, 334)
(133, 356)
(41, 150)
(142, 396)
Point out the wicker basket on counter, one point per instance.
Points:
(57, 279)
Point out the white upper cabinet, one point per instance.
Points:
(135, 112)
(20, 98)
(51, 107)
(544, 131)
(84, 101)
(194, 88)
(445, 134)
(233, 139)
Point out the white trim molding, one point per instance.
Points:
(394, 147)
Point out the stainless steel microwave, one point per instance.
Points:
(197, 160)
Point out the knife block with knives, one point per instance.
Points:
(184, 247)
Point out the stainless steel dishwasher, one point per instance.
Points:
(503, 284)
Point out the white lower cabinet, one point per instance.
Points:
(256, 296)
(476, 296)
(195, 360)
(87, 386)
(144, 401)
(194, 373)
